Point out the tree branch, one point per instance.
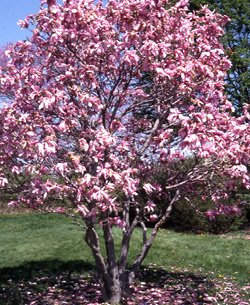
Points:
(92, 241)
(148, 243)
(110, 249)
(144, 232)
(152, 132)
(125, 245)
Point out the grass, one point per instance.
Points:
(29, 238)
(222, 256)
(52, 242)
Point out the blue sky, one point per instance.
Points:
(10, 12)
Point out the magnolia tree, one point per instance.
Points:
(102, 94)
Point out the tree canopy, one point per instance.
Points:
(236, 42)
(71, 139)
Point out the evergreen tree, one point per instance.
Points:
(237, 45)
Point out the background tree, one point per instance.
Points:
(72, 132)
(236, 42)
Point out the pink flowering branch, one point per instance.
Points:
(102, 100)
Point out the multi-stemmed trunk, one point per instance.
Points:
(113, 275)
(108, 273)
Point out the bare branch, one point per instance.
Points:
(125, 244)
(154, 129)
(148, 243)
(92, 241)
(144, 232)
(110, 248)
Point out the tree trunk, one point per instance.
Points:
(111, 293)
(113, 276)
(110, 281)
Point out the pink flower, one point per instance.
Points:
(3, 181)
(61, 168)
(148, 188)
(153, 217)
(83, 144)
(83, 210)
(150, 206)
(60, 210)
(118, 222)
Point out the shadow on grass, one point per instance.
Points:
(36, 277)
(56, 282)
(159, 286)
(159, 275)
(42, 268)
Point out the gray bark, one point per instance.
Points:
(113, 276)
(149, 241)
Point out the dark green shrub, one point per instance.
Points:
(226, 223)
(186, 218)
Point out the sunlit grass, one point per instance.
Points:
(53, 241)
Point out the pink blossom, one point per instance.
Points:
(60, 210)
(61, 168)
(148, 188)
(153, 217)
(3, 181)
(118, 222)
(103, 101)
(83, 210)
(83, 144)
(150, 206)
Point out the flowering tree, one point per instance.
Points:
(236, 42)
(3, 64)
(99, 96)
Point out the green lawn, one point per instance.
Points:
(32, 241)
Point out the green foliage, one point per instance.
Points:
(187, 217)
(237, 45)
(225, 224)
